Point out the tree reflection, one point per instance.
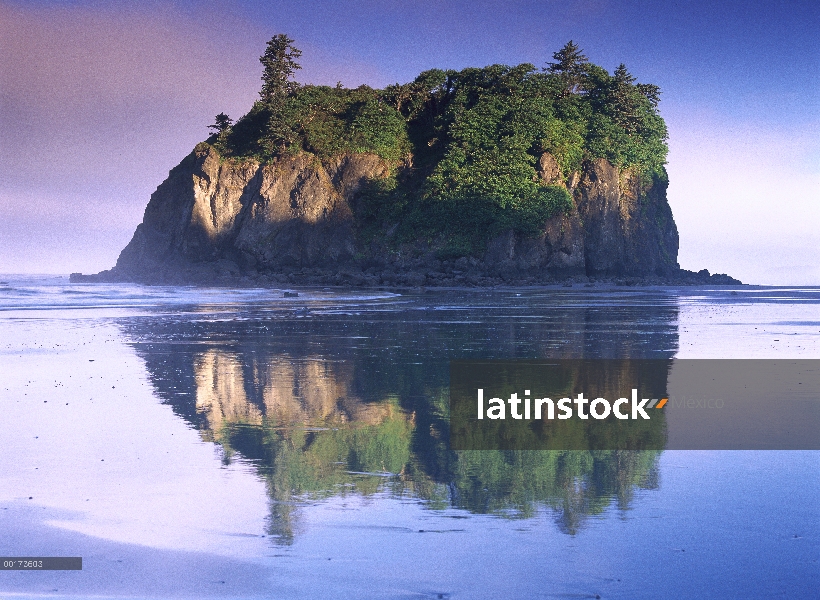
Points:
(331, 405)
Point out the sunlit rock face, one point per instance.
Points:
(218, 198)
(628, 225)
(219, 216)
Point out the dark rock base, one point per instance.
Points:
(450, 275)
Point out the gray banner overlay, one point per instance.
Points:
(651, 404)
(41, 563)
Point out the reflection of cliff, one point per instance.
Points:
(278, 392)
(220, 390)
(333, 403)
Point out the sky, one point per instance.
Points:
(99, 100)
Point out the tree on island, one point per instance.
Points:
(280, 64)
(478, 134)
(221, 128)
(626, 100)
(222, 124)
(571, 66)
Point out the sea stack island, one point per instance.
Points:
(502, 175)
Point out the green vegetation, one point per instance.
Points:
(325, 121)
(473, 138)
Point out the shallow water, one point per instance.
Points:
(237, 443)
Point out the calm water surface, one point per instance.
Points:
(239, 443)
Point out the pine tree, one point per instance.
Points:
(280, 64)
(571, 66)
(624, 99)
(650, 92)
(221, 125)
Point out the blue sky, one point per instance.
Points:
(98, 100)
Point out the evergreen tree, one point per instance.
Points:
(221, 124)
(571, 66)
(280, 64)
(650, 92)
(625, 99)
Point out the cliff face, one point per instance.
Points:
(217, 218)
(292, 213)
(617, 228)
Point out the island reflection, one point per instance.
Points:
(331, 397)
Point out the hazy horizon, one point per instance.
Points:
(99, 100)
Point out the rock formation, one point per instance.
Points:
(294, 220)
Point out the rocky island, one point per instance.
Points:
(485, 176)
